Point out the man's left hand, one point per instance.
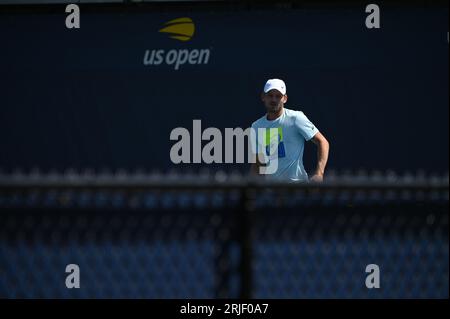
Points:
(316, 178)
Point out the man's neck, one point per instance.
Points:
(274, 116)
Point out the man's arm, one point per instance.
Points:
(323, 148)
(254, 168)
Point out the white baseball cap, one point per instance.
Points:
(276, 84)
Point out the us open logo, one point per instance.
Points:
(180, 29)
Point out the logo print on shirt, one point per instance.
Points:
(274, 144)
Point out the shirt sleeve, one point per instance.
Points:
(305, 127)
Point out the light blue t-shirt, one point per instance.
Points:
(286, 146)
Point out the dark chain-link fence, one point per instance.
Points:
(171, 237)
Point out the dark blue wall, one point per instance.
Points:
(83, 98)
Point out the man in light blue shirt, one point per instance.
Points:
(280, 136)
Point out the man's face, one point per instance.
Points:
(273, 100)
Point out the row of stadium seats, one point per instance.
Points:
(212, 199)
(208, 174)
(187, 241)
(309, 252)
